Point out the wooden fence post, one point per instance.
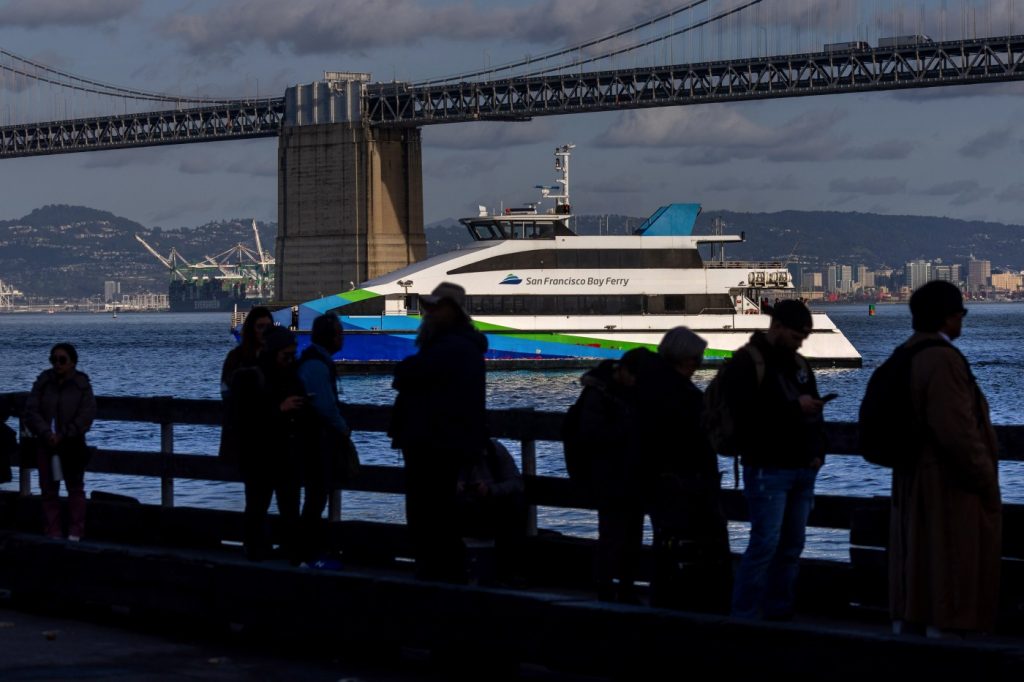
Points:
(166, 453)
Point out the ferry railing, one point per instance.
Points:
(527, 426)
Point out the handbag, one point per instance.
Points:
(344, 459)
(74, 455)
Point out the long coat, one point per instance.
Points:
(946, 527)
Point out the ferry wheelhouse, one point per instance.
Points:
(547, 296)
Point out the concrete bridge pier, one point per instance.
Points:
(350, 197)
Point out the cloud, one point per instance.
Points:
(262, 167)
(1012, 193)
(987, 143)
(959, 91)
(354, 26)
(192, 207)
(122, 158)
(713, 134)
(886, 150)
(729, 184)
(488, 135)
(870, 186)
(959, 192)
(199, 164)
(462, 166)
(43, 13)
(618, 185)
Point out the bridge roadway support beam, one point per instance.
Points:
(350, 206)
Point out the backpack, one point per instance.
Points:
(576, 460)
(720, 424)
(886, 438)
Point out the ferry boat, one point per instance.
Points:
(546, 296)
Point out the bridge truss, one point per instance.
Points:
(226, 121)
(960, 62)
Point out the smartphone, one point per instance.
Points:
(829, 396)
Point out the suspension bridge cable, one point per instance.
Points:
(107, 89)
(637, 46)
(567, 50)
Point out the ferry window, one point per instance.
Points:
(675, 303)
(505, 228)
(610, 259)
(568, 259)
(589, 258)
(544, 231)
(570, 305)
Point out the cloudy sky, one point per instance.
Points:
(950, 152)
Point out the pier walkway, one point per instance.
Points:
(182, 567)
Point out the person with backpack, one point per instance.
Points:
(329, 446)
(946, 521)
(777, 428)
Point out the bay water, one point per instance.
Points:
(180, 354)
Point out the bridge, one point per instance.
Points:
(350, 185)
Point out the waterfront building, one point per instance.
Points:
(111, 291)
(979, 274)
(917, 273)
(1006, 281)
(948, 273)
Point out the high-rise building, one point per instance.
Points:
(1006, 281)
(845, 278)
(111, 290)
(917, 273)
(832, 275)
(979, 274)
(947, 273)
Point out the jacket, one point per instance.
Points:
(774, 432)
(442, 394)
(946, 522)
(70, 404)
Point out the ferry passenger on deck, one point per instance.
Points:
(268, 413)
(946, 523)
(692, 564)
(244, 354)
(782, 444)
(330, 434)
(59, 412)
(440, 423)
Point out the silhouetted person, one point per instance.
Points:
(329, 433)
(782, 443)
(269, 410)
(245, 354)
(439, 422)
(946, 523)
(492, 505)
(693, 568)
(59, 412)
(610, 437)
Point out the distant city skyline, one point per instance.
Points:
(943, 152)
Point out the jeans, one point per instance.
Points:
(779, 501)
(75, 483)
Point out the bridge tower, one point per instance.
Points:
(350, 196)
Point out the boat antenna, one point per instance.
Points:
(562, 205)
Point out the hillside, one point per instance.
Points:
(69, 251)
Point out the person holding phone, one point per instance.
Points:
(782, 447)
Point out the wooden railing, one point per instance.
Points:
(524, 425)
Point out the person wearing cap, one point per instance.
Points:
(440, 423)
(946, 522)
(692, 564)
(772, 392)
(270, 418)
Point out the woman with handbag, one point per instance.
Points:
(59, 411)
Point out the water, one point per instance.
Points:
(180, 355)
